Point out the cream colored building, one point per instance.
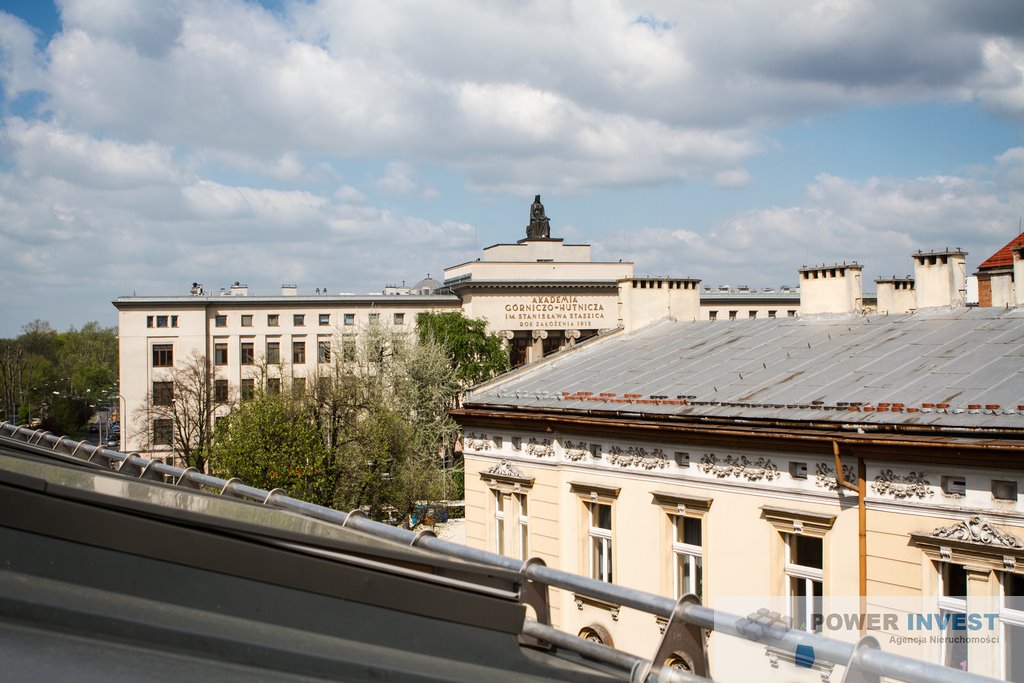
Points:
(691, 456)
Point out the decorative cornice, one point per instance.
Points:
(638, 457)
(825, 476)
(913, 485)
(576, 451)
(540, 449)
(761, 469)
(979, 531)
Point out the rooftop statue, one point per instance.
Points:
(539, 227)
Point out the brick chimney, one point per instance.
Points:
(831, 289)
(940, 278)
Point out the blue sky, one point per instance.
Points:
(144, 146)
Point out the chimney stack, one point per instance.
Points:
(831, 289)
(895, 294)
(642, 300)
(940, 278)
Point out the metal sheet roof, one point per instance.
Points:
(795, 369)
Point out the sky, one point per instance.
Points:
(350, 144)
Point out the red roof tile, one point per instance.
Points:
(1003, 257)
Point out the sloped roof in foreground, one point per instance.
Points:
(942, 367)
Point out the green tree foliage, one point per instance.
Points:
(270, 442)
(476, 355)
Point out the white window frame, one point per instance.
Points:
(686, 555)
(599, 543)
(948, 603)
(1008, 618)
(499, 521)
(809, 575)
(523, 526)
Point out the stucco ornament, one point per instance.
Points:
(825, 476)
(910, 485)
(742, 467)
(504, 469)
(478, 442)
(978, 530)
(576, 451)
(540, 449)
(638, 457)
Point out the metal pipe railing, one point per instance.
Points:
(833, 651)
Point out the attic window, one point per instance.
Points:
(954, 485)
(798, 470)
(1004, 490)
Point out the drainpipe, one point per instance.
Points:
(861, 488)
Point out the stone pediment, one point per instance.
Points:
(974, 542)
(507, 473)
(979, 531)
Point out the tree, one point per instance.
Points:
(476, 355)
(180, 412)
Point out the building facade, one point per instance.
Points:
(848, 474)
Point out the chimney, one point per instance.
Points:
(940, 278)
(643, 300)
(895, 294)
(831, 289)
(238, 289)
(289, 290)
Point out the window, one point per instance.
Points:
(712, 315)
(274, 385)
(374, 318)
(248, 353)
(298, 352)
(953, 600)
(523, 522)
(797, 470)
(273, 352)
(399, 318)
(273, 319)
(600, 541)
(220, 353)
(298, 386)
(348, 350)
(595, 451)
(323, 351)
(499, 522)
(163, 393)
(221, 321)
(220, 390)
(325, 318)
(248, 389)
(247, 320)
(1004, 490)
(163, 432)
(751, 314)
(161, 321)
(732, 315)
(149, 321)
(163, 355)
(298, 320)
(350, 318)
(174, 321)
(804, 579)
(517, 443)
(791, 313)
(1011, 616)
(771, 314)
(954, 485)
(687, 555)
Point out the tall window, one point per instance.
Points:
(687, 555)
(600, 541)
(323, 351)
(1011, 615)
(163, 393)
(499, 522)
(163, 355)
(804, 576)
(248, 353)
(273, 352)
(523, 524)
(348, 349)
(163, 432)
(220, 353)
(298, 386)
(247, 389)
(274, 385)
(298, 352)
(953, 600)
(220, 390)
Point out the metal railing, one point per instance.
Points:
(683, 642)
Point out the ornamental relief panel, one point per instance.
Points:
(910, 485)
(638, 457)
(478, 442)
(980, 531)
(540, 449)
(742, 467)
(576, 451)
(825, 476)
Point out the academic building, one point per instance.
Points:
(843, 473)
